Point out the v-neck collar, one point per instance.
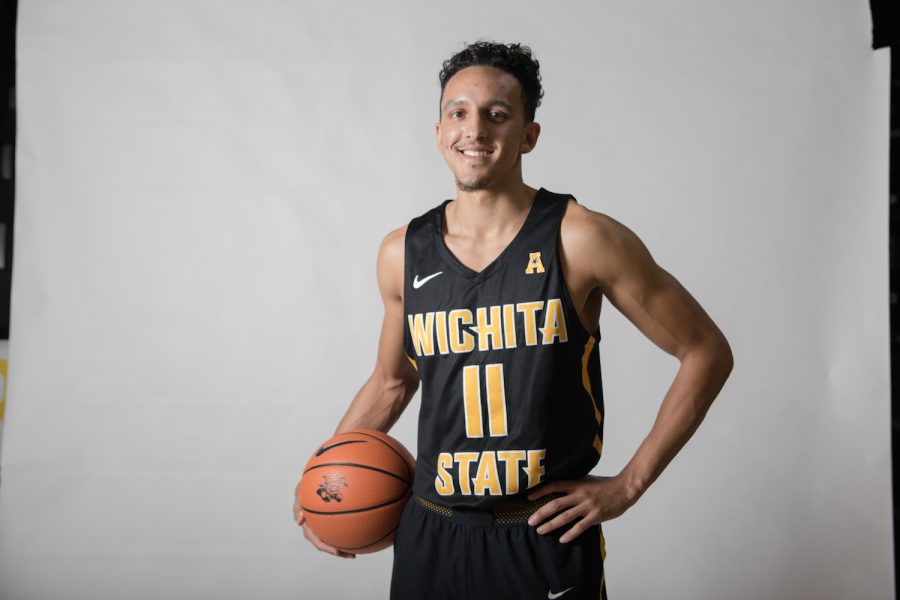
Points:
(459, 267)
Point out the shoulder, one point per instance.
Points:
(393, 242)
(582, 228)
(599, 246)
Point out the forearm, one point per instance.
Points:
(378, 404)
(700, 378)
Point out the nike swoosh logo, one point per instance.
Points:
(325, 449)
(417, 283)
(551, 595)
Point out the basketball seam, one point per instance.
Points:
(322, 450)
(346, 464)
(356, 510)
(395, 451)
(373, 543)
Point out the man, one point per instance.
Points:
(492, 301)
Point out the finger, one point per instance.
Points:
(576, 530)
(332, 550)
(555, 486)
(550, 509)
(320, 545)
(559, 521)
(299, 517)
(335, 551)
(338, 551)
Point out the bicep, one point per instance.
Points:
(651, 298)
(392, 359)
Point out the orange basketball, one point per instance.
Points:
(354, 489)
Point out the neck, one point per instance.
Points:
(489, 212)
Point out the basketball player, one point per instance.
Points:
(492, 302)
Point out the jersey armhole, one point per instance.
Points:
(562, 276)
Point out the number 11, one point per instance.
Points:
(496, 400)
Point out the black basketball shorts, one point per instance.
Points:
(444, 554)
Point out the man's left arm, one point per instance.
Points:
(604, 254)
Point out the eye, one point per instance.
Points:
(456, 114)
(496, 115)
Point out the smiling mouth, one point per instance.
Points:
(475, 153)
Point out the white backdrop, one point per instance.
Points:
(202, 188)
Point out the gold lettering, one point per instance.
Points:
(440, 321)
(535, 467)
(529, 310)
(487, 479)
(489, 329)
(464, 460)
(460, 340)
(535, 264)
(443, 483)
(511, 458)
(421, 328)
(509, 325)
(554, 322)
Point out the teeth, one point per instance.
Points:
(475, 153)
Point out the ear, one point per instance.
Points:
(530, 137)
(437, 135)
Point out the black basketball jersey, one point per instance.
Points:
(510, 378)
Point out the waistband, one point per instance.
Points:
(509, 512)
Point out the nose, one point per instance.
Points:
(477, 126)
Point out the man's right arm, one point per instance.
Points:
(384, 396)
(389, 388)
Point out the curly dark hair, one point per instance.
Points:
(515, 59)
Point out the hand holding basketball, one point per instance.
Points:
(309, 534)
(353, 492)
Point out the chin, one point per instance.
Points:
(474, 182)
(473, 185)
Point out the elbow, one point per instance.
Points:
(400, 387)
(721, 359)
(410, 385)
(725, 356)
(714, 356)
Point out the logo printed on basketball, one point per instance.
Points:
(330, 489)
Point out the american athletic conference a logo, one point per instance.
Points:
(535, 264)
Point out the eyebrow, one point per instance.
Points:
(459, 101)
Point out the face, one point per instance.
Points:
(482, 133)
